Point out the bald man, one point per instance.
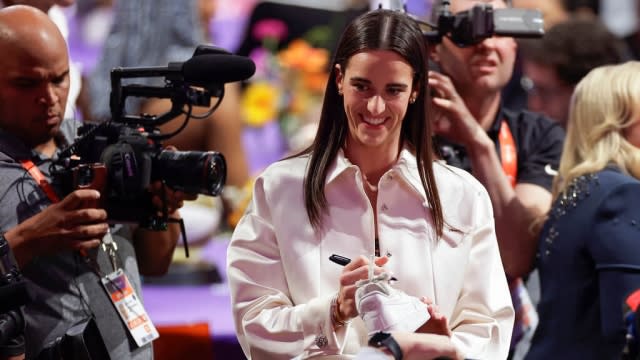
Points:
(46, 230)
(54, 8)
(43, 5)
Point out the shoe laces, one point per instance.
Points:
(381, 279)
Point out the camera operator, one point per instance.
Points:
(56, 239)
(513, 154)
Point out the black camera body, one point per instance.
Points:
(121, 161)
(121, 157)
(13, 294)
(482, 21)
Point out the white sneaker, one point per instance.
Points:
(383, 308)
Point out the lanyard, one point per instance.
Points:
(37, 175)
(508, 154)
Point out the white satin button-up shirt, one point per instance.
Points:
(282, 282)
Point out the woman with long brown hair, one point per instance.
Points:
(369, 184)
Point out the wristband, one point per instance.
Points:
(385, 340)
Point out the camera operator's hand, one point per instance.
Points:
(71, 224)
(174, 199)
(154, 249)
(450, 116)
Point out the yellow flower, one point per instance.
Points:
(260, 103)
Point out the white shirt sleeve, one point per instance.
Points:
(369, 353)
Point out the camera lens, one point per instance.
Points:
(193, 172)
(215, 173)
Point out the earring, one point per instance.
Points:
(412, 100)
(340, 92)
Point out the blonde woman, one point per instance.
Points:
(589, 249)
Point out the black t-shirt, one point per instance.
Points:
(538, 141)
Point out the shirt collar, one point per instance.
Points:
(406, 166)
(339, 165)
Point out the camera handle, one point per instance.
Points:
(161, 223)
(179, 98)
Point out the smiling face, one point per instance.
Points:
(377, 87)
(481, 68)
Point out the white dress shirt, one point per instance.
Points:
(282, 282)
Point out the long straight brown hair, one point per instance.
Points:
(375, 30)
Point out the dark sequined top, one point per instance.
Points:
(589, 261)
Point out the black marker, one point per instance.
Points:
(343, 261)
(340, 260)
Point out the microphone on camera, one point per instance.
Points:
(217, 69)
(209, 68)
(200, 70)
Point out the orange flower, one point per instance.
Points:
(299, 55)
(316, 82)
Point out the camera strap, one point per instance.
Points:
(116, 283)
(108, 245)
(508, 153)
(40, 179)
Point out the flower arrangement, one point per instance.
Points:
(287, 89)
(288, 86)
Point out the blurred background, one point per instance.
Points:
(259, 121)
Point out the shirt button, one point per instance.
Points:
(384, 207)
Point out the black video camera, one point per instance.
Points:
(482, 21)
(13, 294)
(122, 156)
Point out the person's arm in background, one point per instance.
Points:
(154, 249)
(224, 131)
(515, 208)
